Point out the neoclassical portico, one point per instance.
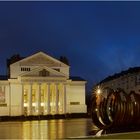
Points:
(43, 98)
(41, 85)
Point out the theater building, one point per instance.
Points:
(40, 85)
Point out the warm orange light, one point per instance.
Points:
(98, 91)
(25, 104)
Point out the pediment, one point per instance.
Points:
(41, 59)
(43, 72)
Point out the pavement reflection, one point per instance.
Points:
(46, 129)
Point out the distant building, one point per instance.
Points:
(128, 80)
(40, 85)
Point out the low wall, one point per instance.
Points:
(43, 117)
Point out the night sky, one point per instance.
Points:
(98, 38)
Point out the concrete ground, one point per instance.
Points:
(128, 135)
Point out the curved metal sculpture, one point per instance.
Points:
(115, 108)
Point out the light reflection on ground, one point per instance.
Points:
(45, 129)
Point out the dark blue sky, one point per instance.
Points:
(99, 38)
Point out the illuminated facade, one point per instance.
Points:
(41, 85)
(128, 80)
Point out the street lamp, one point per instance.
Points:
(98, 91)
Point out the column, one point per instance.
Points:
(4, 95)
(3, 90)
(22, 100)
(64, 105)
(48, 99)
(10, 100)
(30, 100)
(56, 92)
(39, 98)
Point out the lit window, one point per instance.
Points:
(25, 104)
(42, 95)
(51, 104)
(33, 104)
(59, 103)
(25, 96)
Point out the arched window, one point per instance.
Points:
(43, 73)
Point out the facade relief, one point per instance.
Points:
(40, 60)
(2, 96)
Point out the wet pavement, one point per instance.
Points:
(46, 129)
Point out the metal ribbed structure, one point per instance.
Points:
(116, 108)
